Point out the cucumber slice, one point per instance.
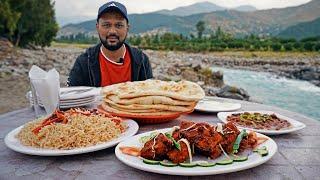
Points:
(188, 165)
(262, 148)
(225, 162)
(240, 158)
(151, 162)
(262, 152)
(168, 164)
(206, 164)
(144, 139)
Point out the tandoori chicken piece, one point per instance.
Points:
(248, 142)
(209, 145)
(179, 156)
(157, 148)
(203, 137)
(230, 134)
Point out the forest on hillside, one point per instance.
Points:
(217, 41)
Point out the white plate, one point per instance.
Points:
(254, 159)
(210, 105)
(76, 105)
(13, 143)
(78, 95)
(296, 125)
(92, 91)
(77, 100)
(70, 104)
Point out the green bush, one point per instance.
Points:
(310, 39)
(308, 46)
(288, 47)
(297, 46)
(276, 47)
(317, 47)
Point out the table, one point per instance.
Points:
(298, 155)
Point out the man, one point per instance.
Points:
(111, 61)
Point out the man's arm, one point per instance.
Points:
(147, 67)
(76, 75)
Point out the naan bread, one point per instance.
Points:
(149, 100)
(183, 90)
(159, 113)
(162, 107)
(132, 110)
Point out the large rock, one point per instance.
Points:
(308, 73)
(190, 75)
(233, 93)
(5, 47)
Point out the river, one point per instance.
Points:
(294, 95)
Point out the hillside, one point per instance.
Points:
(202, 7)
(245, 8)
(302, 30)
(267, 22)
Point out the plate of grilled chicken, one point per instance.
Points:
(194, 149)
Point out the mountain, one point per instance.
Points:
(245, 8)
(201, 7)
(302, 30)
(64, 20)
(260, 22)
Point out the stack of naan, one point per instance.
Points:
(151, 97)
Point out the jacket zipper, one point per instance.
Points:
(91, 75)
(139, 67)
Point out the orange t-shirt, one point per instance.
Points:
(112, 72)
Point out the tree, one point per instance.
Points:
(308, 46)
(36, 23)
(317, 47)
(276, 46)
(200, 28)
(297, 46)
(219, 33)
(288, 46)
(191, 36)
(8, 19)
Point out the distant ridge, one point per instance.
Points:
(201, 7)
(260, 22)
(302, 30)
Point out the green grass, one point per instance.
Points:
(230, 52)
(266, 54)
(71, 45)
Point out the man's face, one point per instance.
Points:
(113, 29)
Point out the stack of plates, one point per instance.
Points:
(73, 96)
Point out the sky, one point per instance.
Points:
(81, 10)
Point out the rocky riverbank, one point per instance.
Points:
(291, 65)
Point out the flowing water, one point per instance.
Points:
(294, 95)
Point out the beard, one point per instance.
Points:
(110, 47)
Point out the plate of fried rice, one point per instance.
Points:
(75, 131)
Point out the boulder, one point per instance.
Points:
(233, 93)
(190, 75)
